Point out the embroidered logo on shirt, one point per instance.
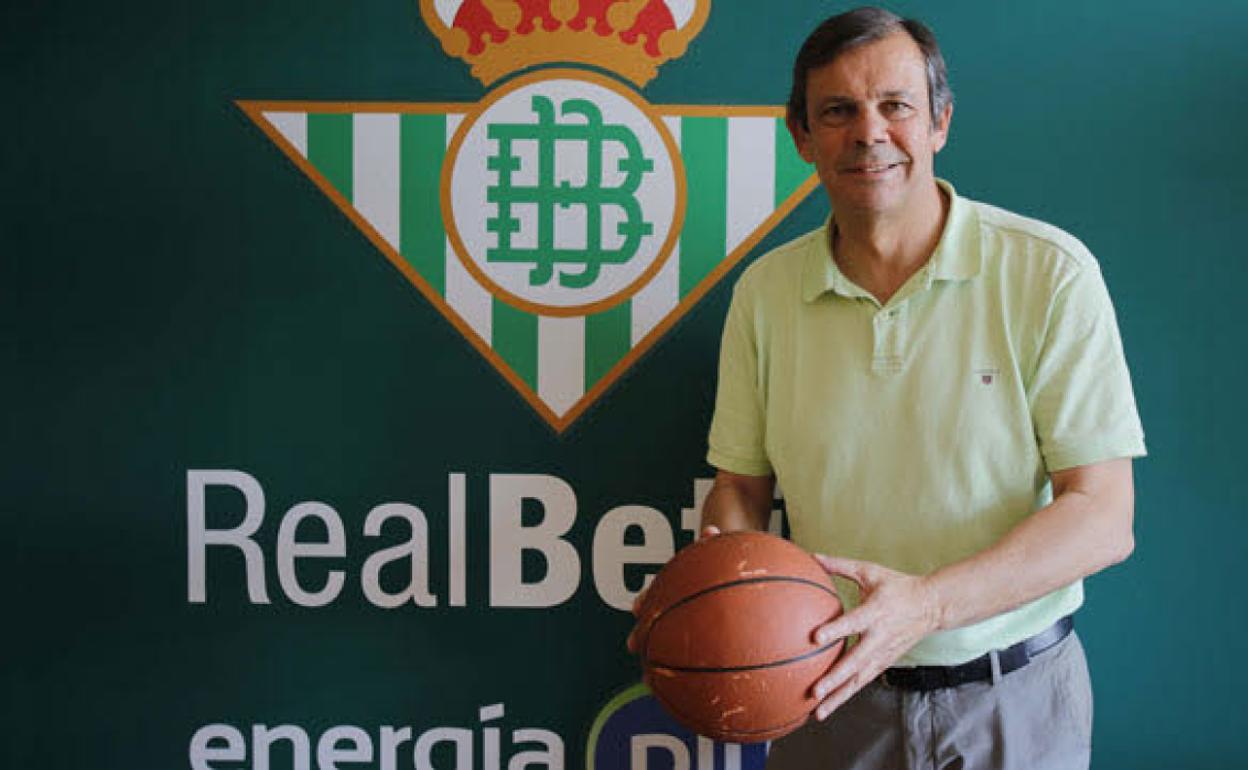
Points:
(987, 376)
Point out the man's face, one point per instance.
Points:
(869, 128)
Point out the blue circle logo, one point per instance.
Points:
(633, 732)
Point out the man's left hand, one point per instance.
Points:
(897, 610)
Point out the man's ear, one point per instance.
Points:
(940, 130)
(801, 138)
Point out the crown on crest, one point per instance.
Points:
(629, 37)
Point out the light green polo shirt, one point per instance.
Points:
(918, 433)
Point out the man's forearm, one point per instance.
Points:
(1086, 528)
(738, 502)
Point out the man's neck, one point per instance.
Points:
(880, 251)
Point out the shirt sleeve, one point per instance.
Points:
(738, 429)
(1082, 405)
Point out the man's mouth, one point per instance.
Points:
(877, 168)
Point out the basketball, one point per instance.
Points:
(725, 634)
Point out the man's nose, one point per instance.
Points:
(869, 127)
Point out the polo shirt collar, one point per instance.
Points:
(957, 256)
(820, 273)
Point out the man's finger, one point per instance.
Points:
(853, 622)
(842, 671)
(852, 673)
(839, 696)
(710, 530)
(857, 571)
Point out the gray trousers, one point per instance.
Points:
(1036, 718)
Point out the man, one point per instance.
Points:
(939, 388)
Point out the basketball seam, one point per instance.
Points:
(750, 667)
(722, 586)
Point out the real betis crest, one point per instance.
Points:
(562, 224)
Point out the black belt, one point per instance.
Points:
(923, 678)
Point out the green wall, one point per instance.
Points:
(176, 296)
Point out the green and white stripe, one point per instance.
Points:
(389, 166)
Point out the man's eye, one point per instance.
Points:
(837, 113)
(895, 108)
